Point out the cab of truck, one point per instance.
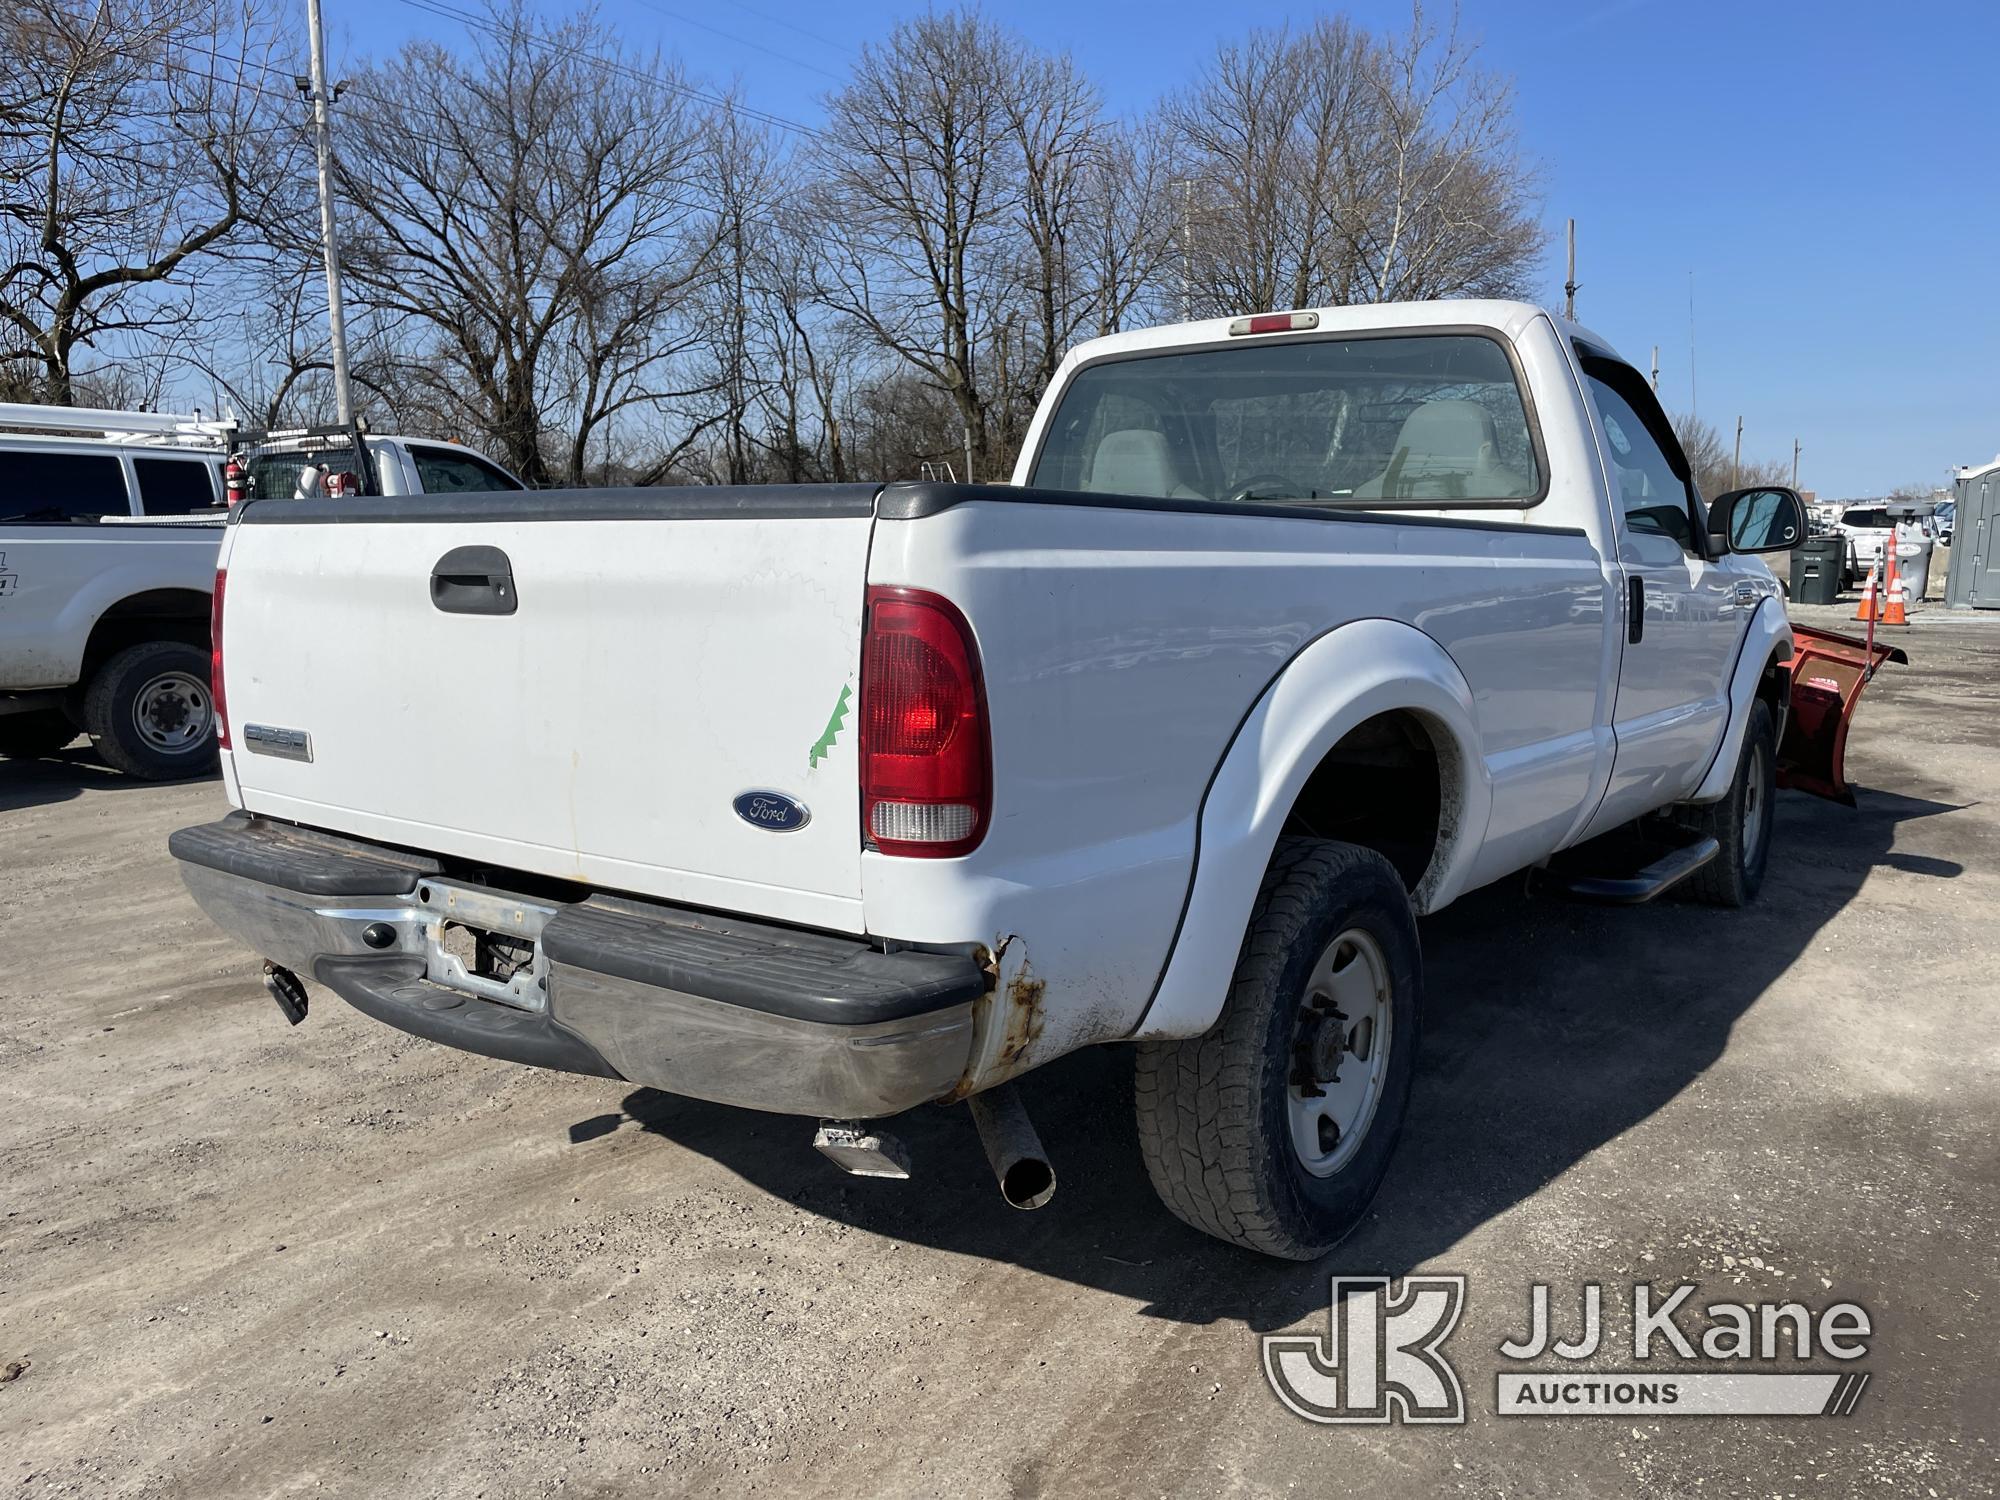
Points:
(347, 459)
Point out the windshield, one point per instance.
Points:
(1432, 418)
(1866, 520)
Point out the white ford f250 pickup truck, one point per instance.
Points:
(835, 801)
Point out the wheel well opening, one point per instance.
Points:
(1381, 788)
(157, 615)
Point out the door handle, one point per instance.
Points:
(1635, 610)
(474, 581)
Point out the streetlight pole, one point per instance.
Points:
(336, 316)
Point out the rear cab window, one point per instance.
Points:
(39, 486)
(275, 474)
(1431, 420)
(175, 486)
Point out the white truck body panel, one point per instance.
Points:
(656, 670)
(1161, 679)
(55, 581)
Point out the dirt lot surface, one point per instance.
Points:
(238, 1259)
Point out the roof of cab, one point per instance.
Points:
(1506, 317)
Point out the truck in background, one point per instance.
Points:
(110, 522)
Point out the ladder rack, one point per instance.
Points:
(101, 422)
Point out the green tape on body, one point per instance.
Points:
(824, 745)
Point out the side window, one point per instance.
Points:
(61, 486)
(1651, 475)
(443, 472)
(175, 486)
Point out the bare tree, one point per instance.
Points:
(1712, 458)
(1452, 211)
(1126, 243)
(918, 182)
(1329, 166)
(135, 146)
(535, 214)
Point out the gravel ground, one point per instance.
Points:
(238, 1259)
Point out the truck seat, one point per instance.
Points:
(1446, 451)
(1136, 461)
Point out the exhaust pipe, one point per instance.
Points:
(1015, 1151)
(286, 989)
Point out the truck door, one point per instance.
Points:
(1683, 621)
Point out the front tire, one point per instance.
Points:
(1274, 1129)
(149, 713)
(1741, 821)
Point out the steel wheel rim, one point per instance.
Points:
(1754, 800)
(1349, 994)
(172, 713)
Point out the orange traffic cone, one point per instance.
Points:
(1894, 611)
(1865, 610)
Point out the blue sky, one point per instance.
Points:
(1829, 173)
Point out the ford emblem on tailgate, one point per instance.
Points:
(772, 810)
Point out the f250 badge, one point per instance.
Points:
(772, 810)
(7, 580)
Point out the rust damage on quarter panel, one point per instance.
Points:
(1023, 1016)
(1007, 1019)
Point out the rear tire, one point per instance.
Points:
(149, 713)
(30, 735)
(1740, 822)
(1274, 1129)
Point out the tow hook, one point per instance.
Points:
(287, 990)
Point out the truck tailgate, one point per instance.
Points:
(663, 652)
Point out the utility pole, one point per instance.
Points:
(1795, 463)
(1736, 463)
(1569, 286)
(1656, 369)
(316, 90)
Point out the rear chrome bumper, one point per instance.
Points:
(733, 1010)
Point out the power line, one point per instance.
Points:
(407, 108)
(730, 36)
(811, 36)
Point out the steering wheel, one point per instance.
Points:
(1250, 486)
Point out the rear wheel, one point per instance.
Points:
(1741, 821)
(42, 732)
(149, 712)
(1274, 1129)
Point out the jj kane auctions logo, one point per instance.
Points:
(1382, 1358)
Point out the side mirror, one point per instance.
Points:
(1766, 519)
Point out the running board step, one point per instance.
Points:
(1601, 887)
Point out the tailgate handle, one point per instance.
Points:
(474, 581)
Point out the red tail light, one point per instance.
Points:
(926, 767)
(215, 660)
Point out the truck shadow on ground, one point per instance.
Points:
(1611, 1012)
(67, 774)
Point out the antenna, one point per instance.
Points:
(1569, 286)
